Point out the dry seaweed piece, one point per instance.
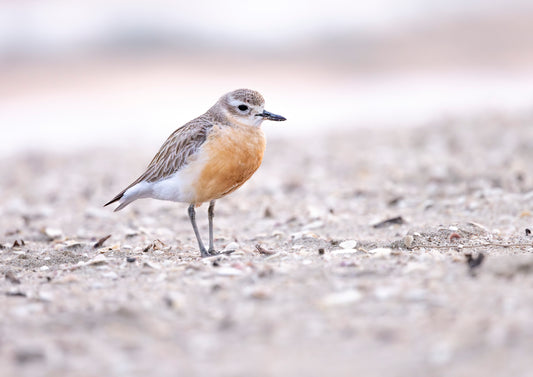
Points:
(101, 241)
(398, 220)
(264, 251)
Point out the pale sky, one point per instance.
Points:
(53, 26)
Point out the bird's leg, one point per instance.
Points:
(210, 216)
(192, 216)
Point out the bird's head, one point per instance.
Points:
(245, 106)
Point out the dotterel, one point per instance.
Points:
(207, 158)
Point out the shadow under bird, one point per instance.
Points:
(207, 158)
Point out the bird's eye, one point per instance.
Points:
(243, 107)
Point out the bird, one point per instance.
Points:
(207, 158)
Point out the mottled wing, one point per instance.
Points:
(174, 153)
(177, 149)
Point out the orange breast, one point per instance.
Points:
(234, 154)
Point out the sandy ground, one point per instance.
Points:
(330, 293)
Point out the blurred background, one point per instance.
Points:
(120, 73)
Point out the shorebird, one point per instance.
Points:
(206, 159)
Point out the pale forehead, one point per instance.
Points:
(248, 96)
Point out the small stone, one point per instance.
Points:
(100, 259)
(348, 244)
(479, 226)
(232, 246)
(44, 268)
(314, 225)
(454, 236)
(408, 241)
(72, 245)
(131, 233)
(131, 259)
(381, 252)
(52, 233)
(150, 264)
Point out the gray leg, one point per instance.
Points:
(192, 216)
(210, 215)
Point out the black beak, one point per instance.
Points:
(267, 115)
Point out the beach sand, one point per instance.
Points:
(320, 283)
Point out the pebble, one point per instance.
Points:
(232, 246)
(380, 252)
(130, 233)
(97, 260)
(303, 234)
(52, 233)
(44, 268)
(348, 244)
(150, 264)
(72, 245)
(408, 241)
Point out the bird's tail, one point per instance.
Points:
(119, 197)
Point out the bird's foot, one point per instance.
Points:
(213, 252)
